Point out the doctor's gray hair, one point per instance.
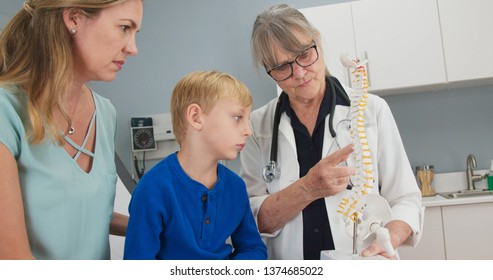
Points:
(278, 26)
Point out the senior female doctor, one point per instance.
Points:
(295, 204)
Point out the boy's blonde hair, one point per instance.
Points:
(204, 88)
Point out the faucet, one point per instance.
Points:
(471, 177)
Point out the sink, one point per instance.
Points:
(462, 194)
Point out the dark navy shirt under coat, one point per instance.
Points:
(317, 235)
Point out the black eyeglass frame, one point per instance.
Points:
(293, 61)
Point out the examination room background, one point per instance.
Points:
(438, 127)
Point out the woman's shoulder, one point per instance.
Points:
(104, 101)
(11, 97)
(265, 110)
(377, 103)
(12, 104)
(104, 105)
(13, 113)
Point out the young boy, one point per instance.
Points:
(188, 205)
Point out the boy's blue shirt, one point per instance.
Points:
(175, 217)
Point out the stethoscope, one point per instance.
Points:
(272, 170)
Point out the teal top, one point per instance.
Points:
(67, 210)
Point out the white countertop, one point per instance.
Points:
(438, 200)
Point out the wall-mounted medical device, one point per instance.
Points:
(146, 132)
(162, 136)
(163, 128)
(142, 133)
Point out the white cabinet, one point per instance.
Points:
(431, 245)
(400, 38)
(335, 24)
(455, 232)
(468, 44)
(468, 231)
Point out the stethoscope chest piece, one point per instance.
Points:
(271, 171)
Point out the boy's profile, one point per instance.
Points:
(189, 205)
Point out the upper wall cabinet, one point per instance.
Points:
(335, 24)
(400, 38)
(402, 41)
(468, 43)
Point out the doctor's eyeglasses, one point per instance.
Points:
(304, 59)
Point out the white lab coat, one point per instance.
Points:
(391, 167)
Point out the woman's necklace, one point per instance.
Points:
(72, 129)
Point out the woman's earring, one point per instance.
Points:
(72, 29)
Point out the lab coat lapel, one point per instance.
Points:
(287, 130)
(340, 113)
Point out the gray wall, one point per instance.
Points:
(439, 128)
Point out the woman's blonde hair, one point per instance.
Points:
(204, 88)
(36, 58)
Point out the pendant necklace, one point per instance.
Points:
(72, 129)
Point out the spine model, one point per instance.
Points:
(362, 181)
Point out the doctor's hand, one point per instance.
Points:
(399, 232)
(326, 178)
(377, 249)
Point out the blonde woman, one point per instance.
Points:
(56, 134)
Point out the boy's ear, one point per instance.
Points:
(193, 116)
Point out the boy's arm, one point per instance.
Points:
(247, 243)
(142, 240)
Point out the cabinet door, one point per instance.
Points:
(468, 231)
(431, 246)
(334, 22)
(467, 41)
(402, 40)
